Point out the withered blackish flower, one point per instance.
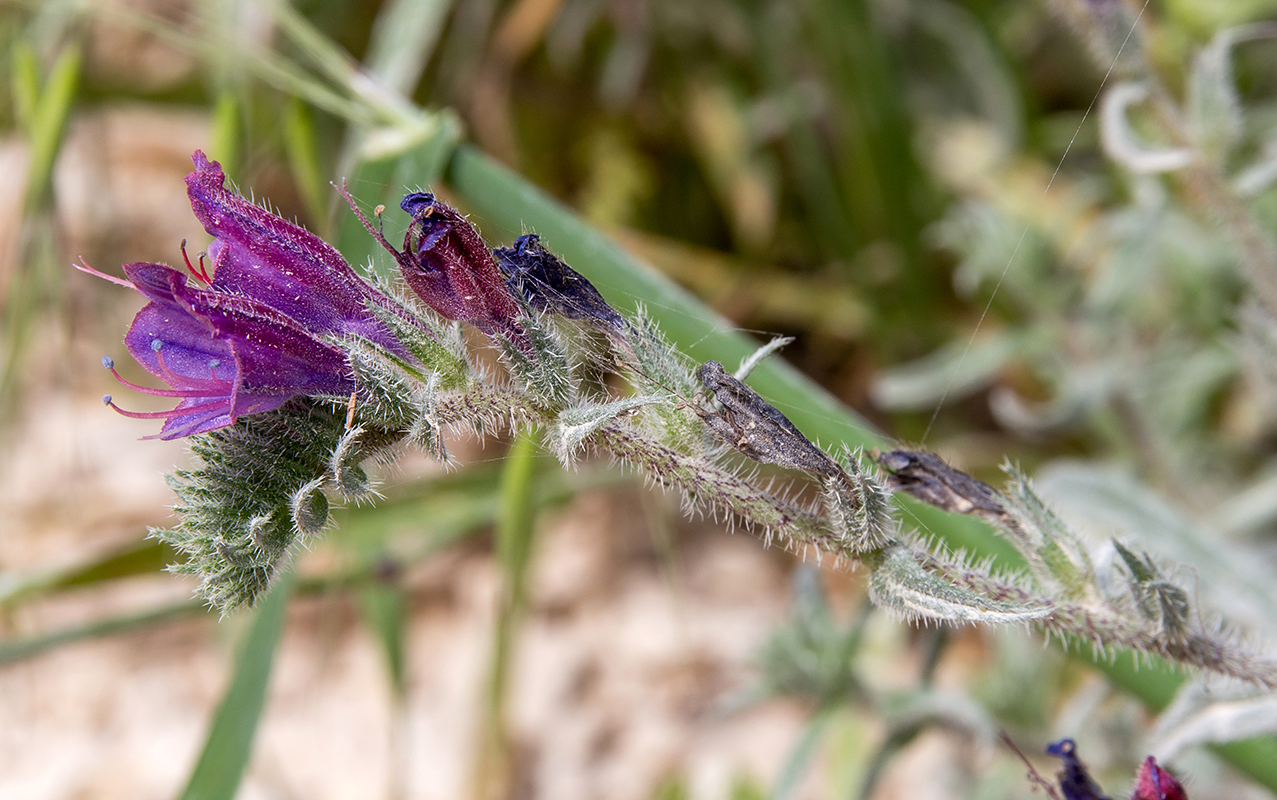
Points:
(754, 427)
(549, 285)
(927, 477)
(1075, 781)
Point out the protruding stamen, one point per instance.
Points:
(108, 362)
(198, 386)
(172, 412)
(195, 392)
(200, 274)
(83, 267)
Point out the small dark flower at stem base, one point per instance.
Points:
(927, 477)
(756, 428)
(551, 286)
(445, 262)
(1075, 780)
(1156, 783)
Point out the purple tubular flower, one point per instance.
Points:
(225, 355)
(549, 285)
(255, 333)
(257, 254)
(445, 262)
(1075, 780)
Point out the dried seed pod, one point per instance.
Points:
(927, 477)
(756, 428)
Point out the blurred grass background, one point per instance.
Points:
(968, 248)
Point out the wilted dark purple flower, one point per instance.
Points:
(445, 262)
(549, 285)
(255, 334)
(1156, 783)
(225, 355)
(1075, 781)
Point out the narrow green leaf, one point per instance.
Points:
(302, 148)
(224, 144)
(136, 558)
(48, 121)
(26, 85)
(226, 752)
(514, 538)
(403, 39)
(800, 757)
(28, 646)
(382, 604)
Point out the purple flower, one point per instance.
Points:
(224, 354)
(257, 254)
(550, 285)
(255, 333)
(445, 262)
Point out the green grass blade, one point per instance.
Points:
(48, 121)
(28, 646)
(515, 529)
(403, 39)
(224, 144)
(25, 80)
(800, 758)
(230, 739)
(382, 605)
(136, 558)
(301, 145)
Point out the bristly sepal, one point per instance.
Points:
(236, 510)
(1156, 596)
(538, 363)
(345, 465)
(576, 424)
(858, 506)
(901, 584)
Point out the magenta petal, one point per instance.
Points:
(260, 255)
